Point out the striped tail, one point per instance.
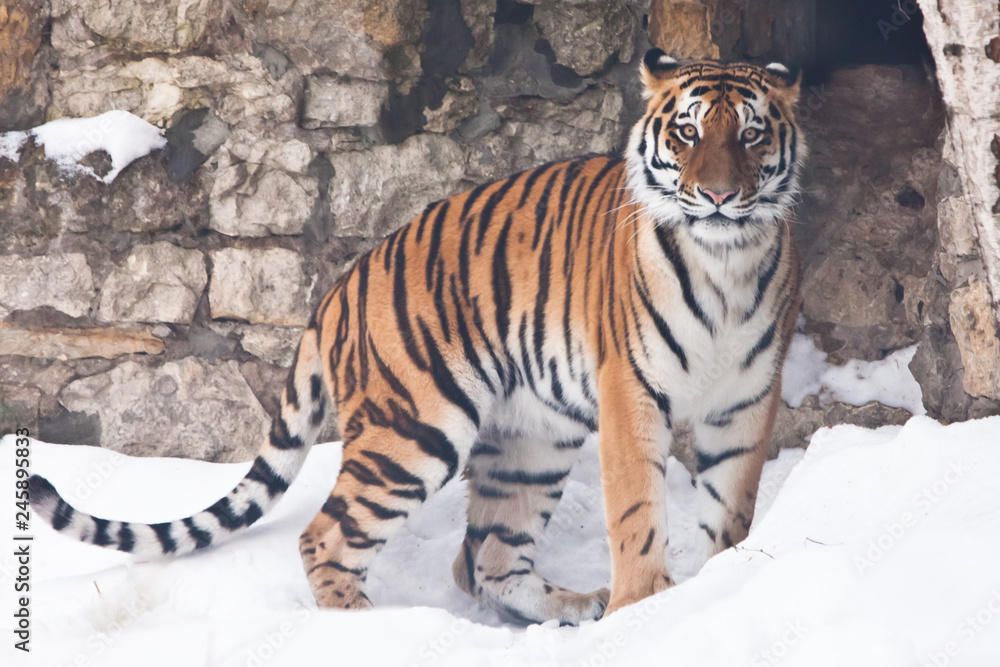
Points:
(293, 432)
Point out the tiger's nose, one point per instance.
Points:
(718, 198)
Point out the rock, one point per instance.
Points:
(192, 140)
(334, 102)
(76, 343)
(958, 33)
(261, 187)
(584, 36)
(975, 331)
(867, 243)
(459, 103)
(23, 90)
(155, 89)
(349, 37)
(19, 409)
(375, 191)
(541, 131)
(61, 281)
(185, 408)
(681, 28)
(148, 27)
(259, 286)
(478, 15)
(276, 345)
(158, 283)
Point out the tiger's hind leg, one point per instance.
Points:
(392, 463)
(514, 486)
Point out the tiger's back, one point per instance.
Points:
(499, 328)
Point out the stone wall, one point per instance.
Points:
(158, 314)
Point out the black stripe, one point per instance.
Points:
(101, 537)
(483, 449)
(530, 182)
(263, 473)
(712, 492)
(661, 326)
(470, 568)
(490, 492)
(706, 461)
(439, 303)
(63, 515)
(725, 417)
(764, 280)
(708, 531)
(223, 511)
(542, 209)
(126, 538)
(467, 346)
(569, 444)
(486, 215)
(362, 322)
(762, 344)
(435, 243)
(443, 378)
(280, 438)
(524, 477)
(501, 283)
(506, 575)
(431, 440)
(361, 473)
(544, 275)
(401, 303)
(164, 535)
(667, 243)
(381, 511)
(390, 378)
(202, 538)
(391, 470)
(423, 219)
(630, 511)
(649, 542)
(470, 201)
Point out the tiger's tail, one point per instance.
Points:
(293, 431)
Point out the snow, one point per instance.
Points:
(888, 381)
(878, 549)
(67, 141)
(11, 144)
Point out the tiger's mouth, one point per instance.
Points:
(717, 220)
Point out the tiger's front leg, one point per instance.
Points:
(634, 444)
(731, 448)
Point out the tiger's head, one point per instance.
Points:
(718, 149)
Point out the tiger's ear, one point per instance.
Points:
(787, 79)
(656, 66)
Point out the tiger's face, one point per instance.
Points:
(718, 149)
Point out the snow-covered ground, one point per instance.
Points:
(881, 548)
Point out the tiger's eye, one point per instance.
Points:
(750, 134)
(689, 131)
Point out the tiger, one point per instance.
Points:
(498, 329)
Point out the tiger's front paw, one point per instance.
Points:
(623, 595)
